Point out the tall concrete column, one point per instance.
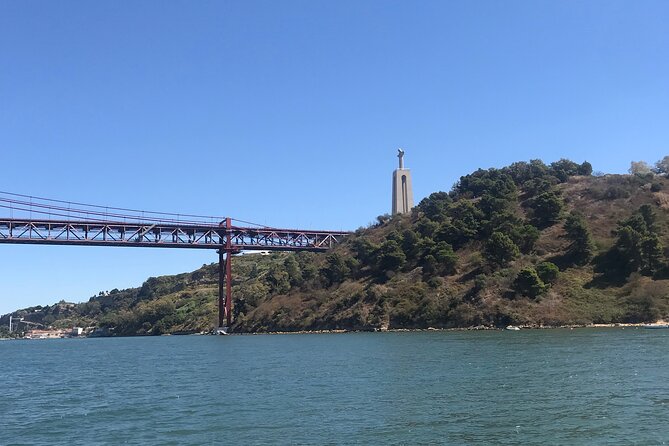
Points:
(402, 189)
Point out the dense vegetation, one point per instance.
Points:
(530, 244)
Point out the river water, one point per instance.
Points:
(584, 386)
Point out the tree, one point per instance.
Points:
(278, 279)
(637, 222)
(383, 219)
(537, 186)
(662, 166)
(293, 270)
(639, 168)
(463, 225)
(521, 172)
(391, 257)
(445, 258)
(435, 206)
(581, 250)
(547, 209)
(467, 213)
(563, 169)
(500, 249)
(430, 266)
(548, 272)
(410, 244)
(628, 247)
(426, 227)
(652, 255)
(336, 269)
(456, 233)
(307, 263)
(528, 283)
(524, 236)
(491, 205)
(365, 250)
(646, 212)
(249, 294)
(425, 246)
(90, 308)
(395, 236)
(585, 169)
(638, 248)
(493, 181)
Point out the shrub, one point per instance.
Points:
(548, 272)
(528, 283)
(615, 193)
(435, 282)
(480, 281)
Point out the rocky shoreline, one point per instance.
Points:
(475, 328)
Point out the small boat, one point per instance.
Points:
(221, 331)
(655, 326)
(512, 328)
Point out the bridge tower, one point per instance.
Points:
(402, 190)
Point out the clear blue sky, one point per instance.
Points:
(289, 113)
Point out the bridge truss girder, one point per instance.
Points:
(157, 235)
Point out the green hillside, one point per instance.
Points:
(529, 244)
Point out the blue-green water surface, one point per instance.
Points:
(585, 386)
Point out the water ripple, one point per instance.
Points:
(595, 387)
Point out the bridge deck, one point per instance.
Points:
(163, 235)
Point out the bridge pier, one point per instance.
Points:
(225, 280)
(221, 288)
(224, 288)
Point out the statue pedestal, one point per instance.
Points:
(402, 191)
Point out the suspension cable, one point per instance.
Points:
(43, 207)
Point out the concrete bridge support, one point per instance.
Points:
(225, 280)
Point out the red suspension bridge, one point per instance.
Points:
(36, 220)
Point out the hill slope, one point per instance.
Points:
(529, 244)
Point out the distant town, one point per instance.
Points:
(53, 333)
